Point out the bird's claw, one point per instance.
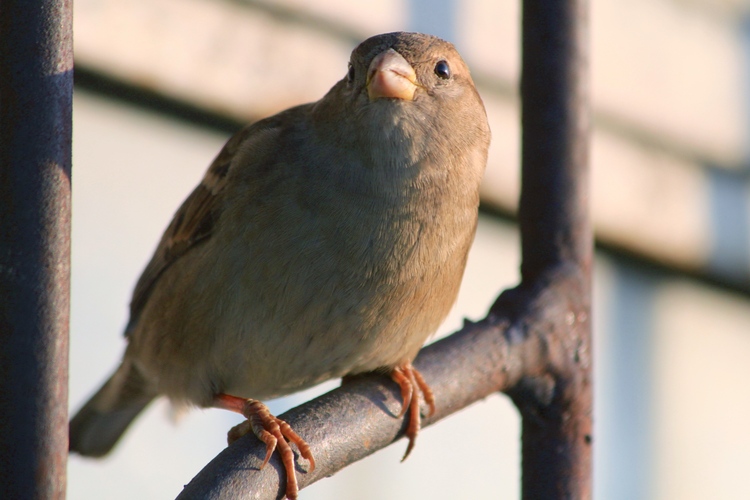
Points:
(274, 432)
(412, 383)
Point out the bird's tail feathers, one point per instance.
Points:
(98, 426)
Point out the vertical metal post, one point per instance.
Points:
(553, 210)
(36, 84)
(556, 405)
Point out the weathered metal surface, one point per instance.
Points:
(36, 84)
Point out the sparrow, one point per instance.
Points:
(325, 241)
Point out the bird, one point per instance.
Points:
(323, 242)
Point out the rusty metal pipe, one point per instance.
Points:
(36, 85)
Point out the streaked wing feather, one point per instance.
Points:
(193, 222)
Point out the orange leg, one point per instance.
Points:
(273, 431)
(411, 383)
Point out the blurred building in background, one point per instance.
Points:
(160, 84)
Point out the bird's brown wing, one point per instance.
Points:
(195, 220)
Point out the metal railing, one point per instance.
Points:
(534, 345)
(36, 91)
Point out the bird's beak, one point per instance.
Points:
(390, 75)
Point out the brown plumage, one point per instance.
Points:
(327, 240)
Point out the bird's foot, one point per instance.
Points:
(411, 383)
(273, 431)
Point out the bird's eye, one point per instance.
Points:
(442, 70)
(350, 74)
